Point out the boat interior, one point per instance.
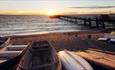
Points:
(9, 51)
(40, 56)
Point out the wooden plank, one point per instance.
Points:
(16, 47)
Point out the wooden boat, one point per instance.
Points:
(9, 51)
(98, 57)
(73, 62)
(11, 63)
(40, 56)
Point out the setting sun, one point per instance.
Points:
(51, 12)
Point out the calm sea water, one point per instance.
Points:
(12, 25)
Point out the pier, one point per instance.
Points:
(93, 21)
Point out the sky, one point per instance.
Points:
(55, 6)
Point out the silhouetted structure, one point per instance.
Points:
(90, 20)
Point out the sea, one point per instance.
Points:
(22, 25)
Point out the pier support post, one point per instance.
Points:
(103, 24)
(76, 20)
(97, 22)
(85, 22)
(89, 20)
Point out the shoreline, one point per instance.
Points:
(24, 39)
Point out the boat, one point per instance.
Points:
(100, 58)
(12, 62)
(71, 61)
(108, 38)
(40, 56)
(9, 51)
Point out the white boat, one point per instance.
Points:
(71, 61)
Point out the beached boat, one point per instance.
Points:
(9, 51)
(12, 58)
(40, 56)
(101, 58)
(108, 38)
(71, 61)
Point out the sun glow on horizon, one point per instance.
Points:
(51, 12)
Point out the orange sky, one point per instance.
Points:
(56, 12)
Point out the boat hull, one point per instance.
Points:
(71, 61)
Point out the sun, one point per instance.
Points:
(51, 12)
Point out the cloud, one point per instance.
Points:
(95, 7)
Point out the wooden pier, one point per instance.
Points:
(97, 21)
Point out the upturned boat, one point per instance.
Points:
(71, 61)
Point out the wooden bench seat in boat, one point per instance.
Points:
(9, 54)
(1, 61)
(16, 47)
